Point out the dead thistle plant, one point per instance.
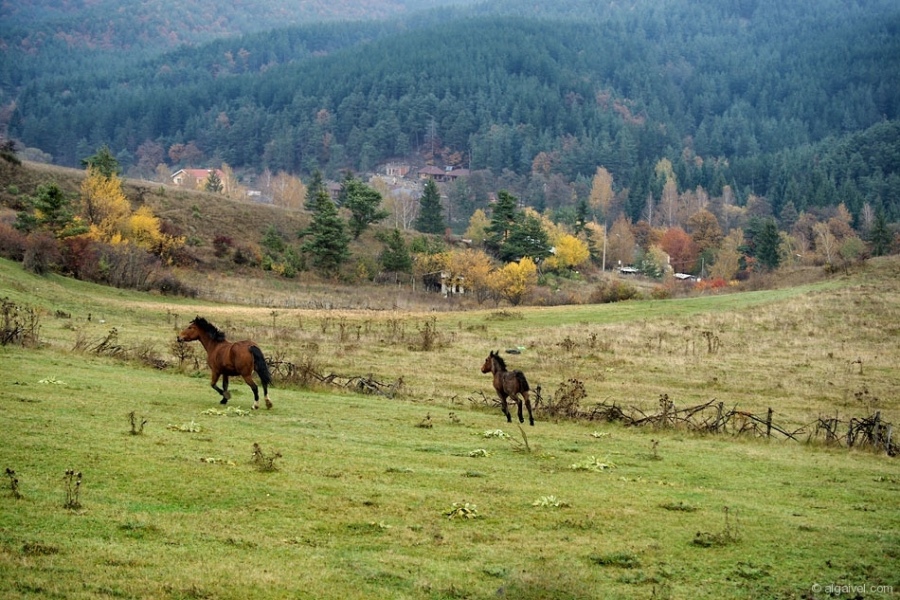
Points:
(264, 463)
(72, 481)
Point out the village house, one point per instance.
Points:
(195, 178)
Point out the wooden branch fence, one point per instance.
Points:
(304, 374)
(712, 417)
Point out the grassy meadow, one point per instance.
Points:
(131, 481)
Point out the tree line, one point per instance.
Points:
(770, 99)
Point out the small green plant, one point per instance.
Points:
(72, 481)
(479, 453)
(13, 483)
(623, 560)
(191, 427)
(592, 463)
(264, 463)
(212, 460)
(137, 425)
(495, 433)
(462, 511)
(550, 502)
(229, 411)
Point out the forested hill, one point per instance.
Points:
(129, 24)
(777, 99)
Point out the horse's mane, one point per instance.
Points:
(210, 329)
(500, 361)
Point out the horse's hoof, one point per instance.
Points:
(223, 401)
(227, 395)
(255, 406)
(268, 404)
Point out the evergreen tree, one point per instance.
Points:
(582, 215)
(503, 219)
(272, 241)
(364, 204)
(766, 245)
(326, 241)
(213, 183)
(103, 162)
(527, 238)
(880, 236)
(395, 257)
(431, 218)
(51, 210)
(316, 185)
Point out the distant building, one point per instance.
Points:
(195, 178)
(398, 170)
(444, 283)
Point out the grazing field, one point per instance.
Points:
(125, 478)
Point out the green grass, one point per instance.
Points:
(358, 503)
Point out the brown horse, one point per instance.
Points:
(509, 384)
(228, 359)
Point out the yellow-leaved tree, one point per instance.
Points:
(515, 280)
(478, 224)
(601, 193)
(569, 253)
(144, 231)
(108, 214)
(474, 266)
(104, 206)
(728, 256)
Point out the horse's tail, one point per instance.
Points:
(259, 363)
(523, 383)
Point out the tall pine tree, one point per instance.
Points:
(364, 204)
(395, 257)
(327, 243)
(503, 220)
(316, 185)
(431, 217)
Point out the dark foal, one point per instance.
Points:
(509, 385)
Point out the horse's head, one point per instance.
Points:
(198, 328)
(488, 365)
(191, 333)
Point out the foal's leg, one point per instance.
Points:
(527, 404)
(519, 404)
(505, 408)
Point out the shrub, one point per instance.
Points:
(12, 242)
(613, 291)
(127, 267)
(169, 285)
(80, 258)
(41, 253)
(661, 292)
(221, 245)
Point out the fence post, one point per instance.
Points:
(769, 423)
